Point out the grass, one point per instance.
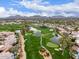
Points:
(33, 45)
(49, 44)
(10, 27)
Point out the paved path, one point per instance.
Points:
(22, 46)
(44, 51)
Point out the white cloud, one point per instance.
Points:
(68, 7)
(3, 12)
(13, 12)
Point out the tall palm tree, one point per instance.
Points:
(66, 43)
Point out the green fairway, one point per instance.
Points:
(10, 27)
(49, 44)
(33, 45)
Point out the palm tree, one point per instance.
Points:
(66, 43)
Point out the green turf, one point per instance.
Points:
(49, 44)
(10, 27)
(33, 45)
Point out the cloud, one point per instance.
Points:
(12, 12)
(3, 12)
(36, 5)
(44, 8)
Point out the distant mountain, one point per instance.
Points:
(38, 17)
(16, 17)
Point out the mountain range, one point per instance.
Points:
(38, 17)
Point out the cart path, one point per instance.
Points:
(22, 46)
(45, 52)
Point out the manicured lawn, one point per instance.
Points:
(49, 44)
(33, 45)
(10, 27)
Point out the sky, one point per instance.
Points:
(39, 7)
